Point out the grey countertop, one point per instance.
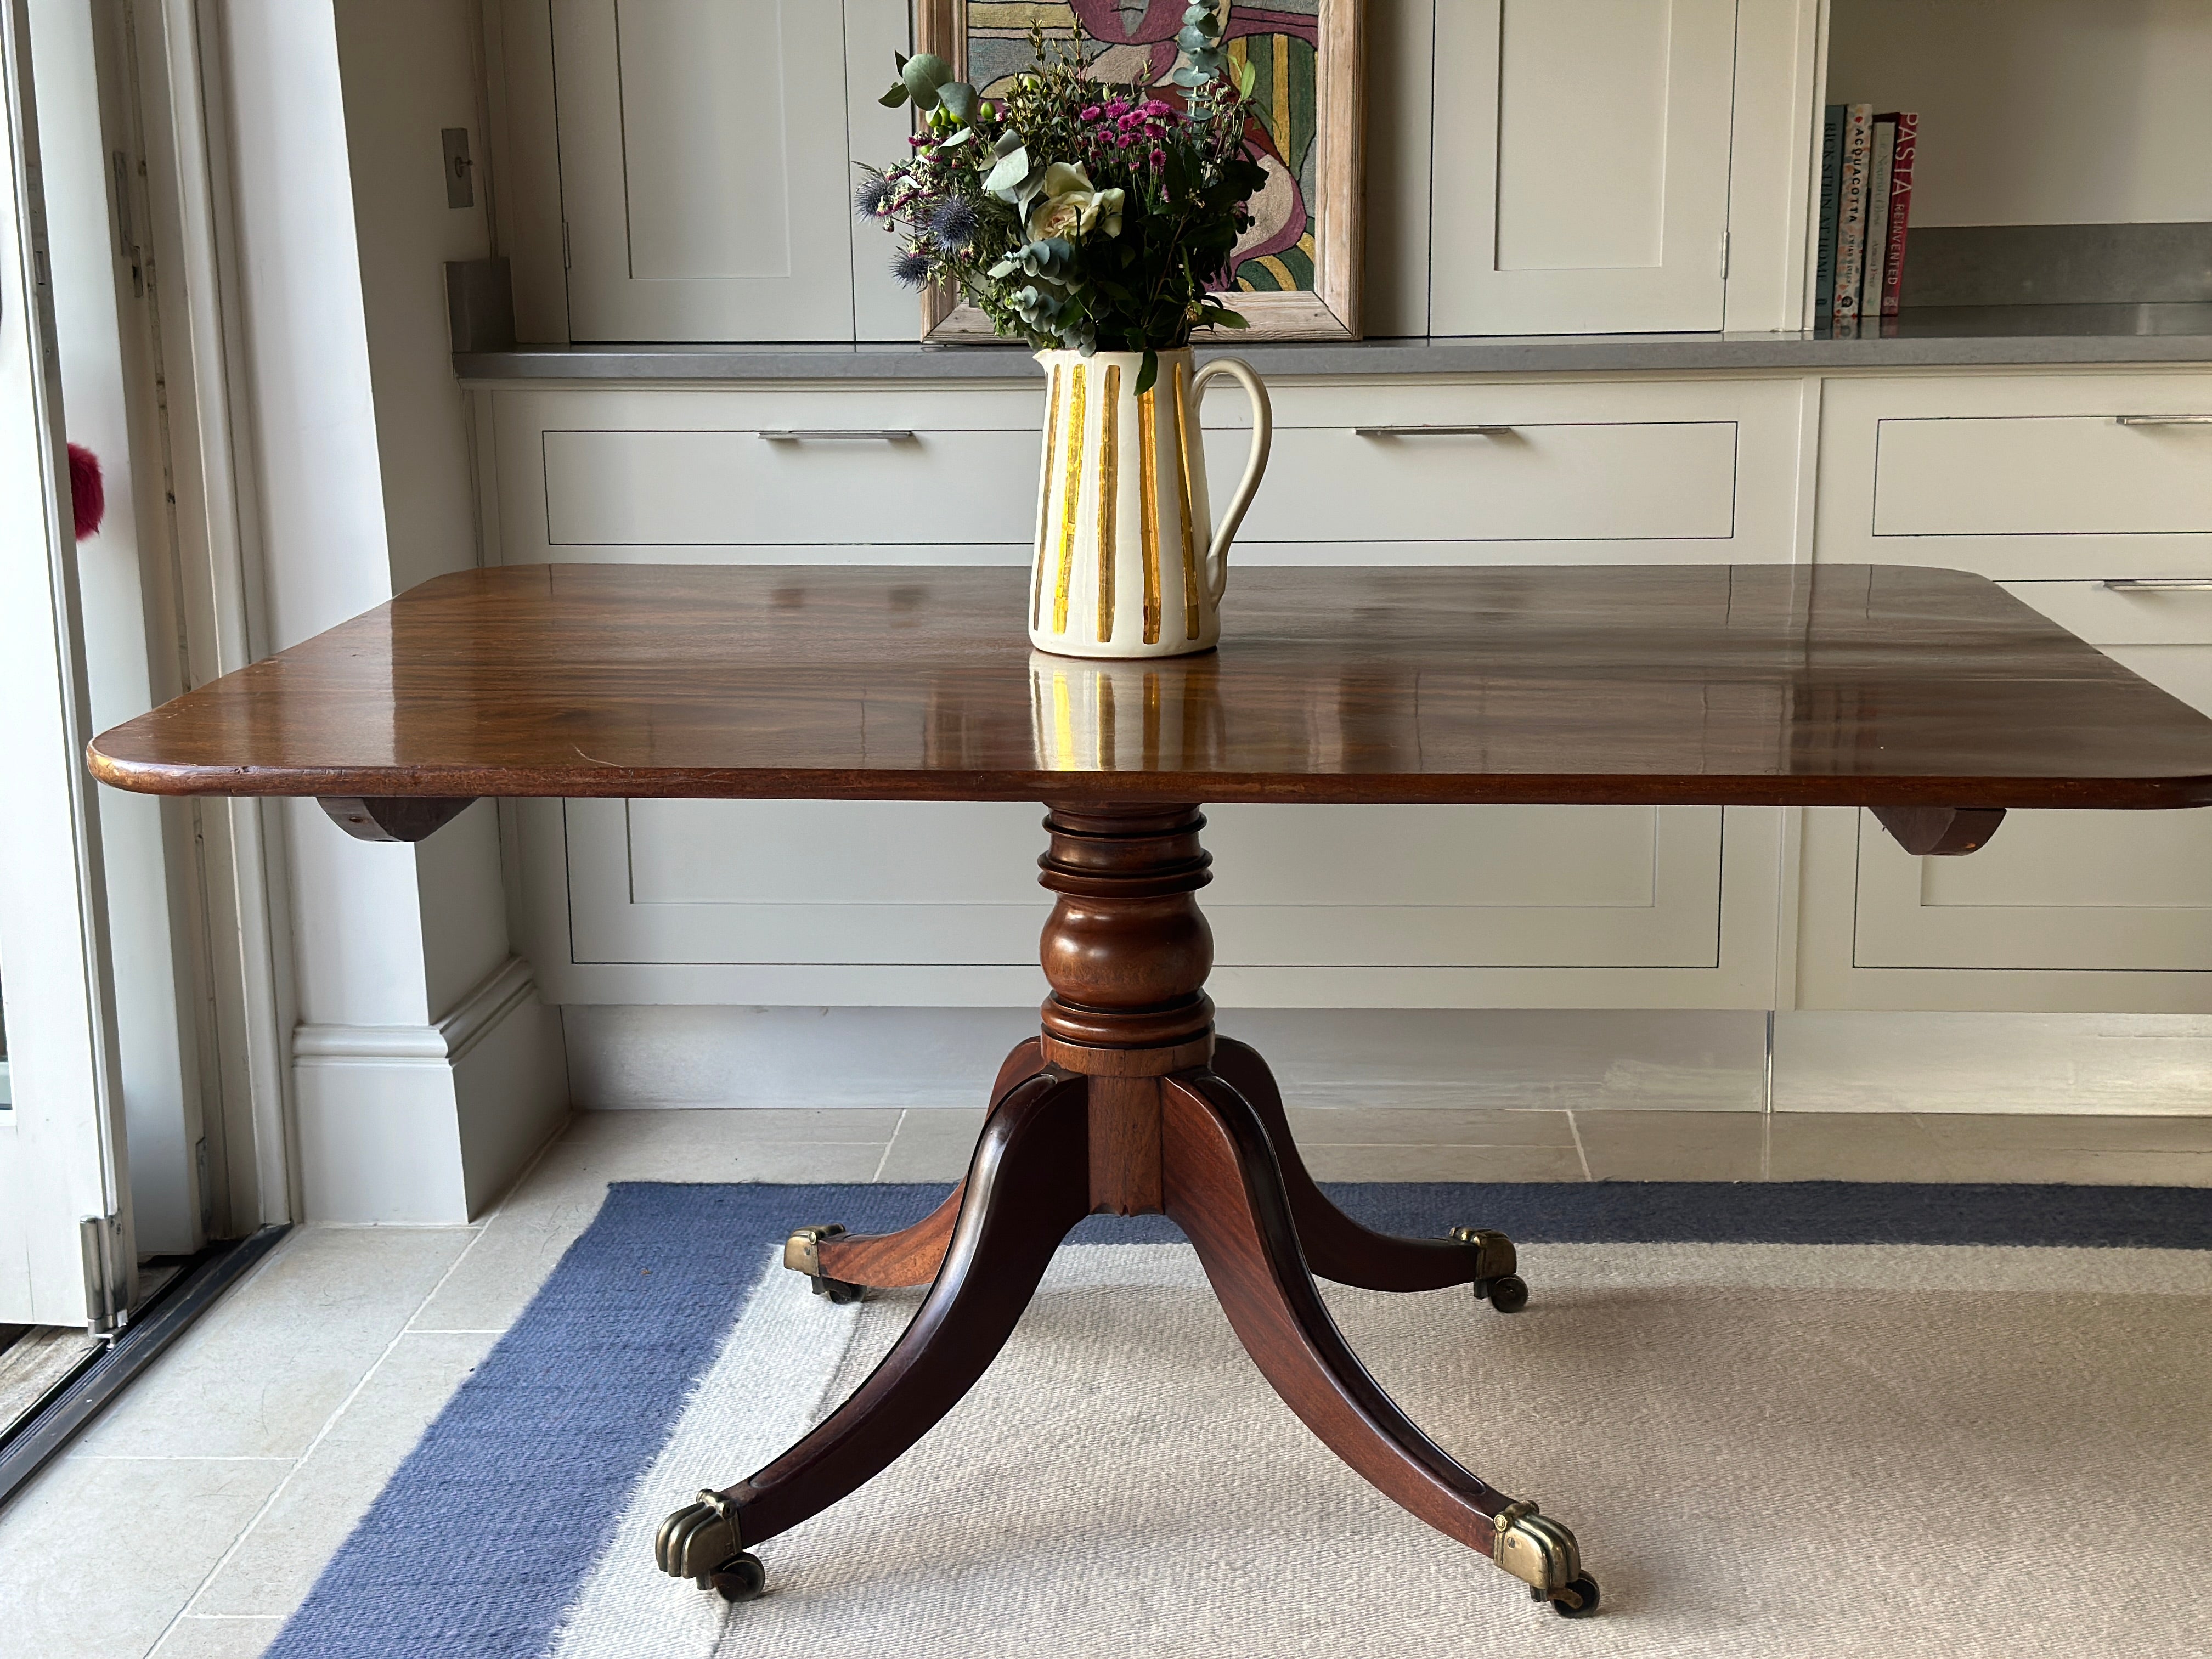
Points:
(2018, 335)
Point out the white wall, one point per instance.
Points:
(403, 964)
(2040, 111)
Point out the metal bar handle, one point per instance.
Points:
(2157, 583)
(2162, 420)
(1489, 431)
(833, 435)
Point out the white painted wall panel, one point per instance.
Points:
(703, 170)
(1586, 147)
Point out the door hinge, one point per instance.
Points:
(564, 245)
(107, 1285)
(1724, 252)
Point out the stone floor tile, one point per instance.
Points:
(99, 1554)
(279, 1557)
(1638, 1145)
(260, 1373)
(1416, 1162)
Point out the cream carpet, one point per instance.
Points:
(1766, 1450)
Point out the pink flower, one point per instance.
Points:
(1160, 159)
(1091, 114)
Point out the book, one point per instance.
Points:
(1850, 211)
(1900, 210)
(1881, 156)
(1824, 263)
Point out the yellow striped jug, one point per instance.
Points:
(1127, 561)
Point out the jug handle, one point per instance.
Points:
(1256, 464)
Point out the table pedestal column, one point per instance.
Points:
(1128, 1104)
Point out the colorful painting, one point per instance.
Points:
(1134, 40)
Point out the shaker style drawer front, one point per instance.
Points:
(2044, 475)
(2019, 476)
(2053, 891)
(2121, 612)
(852, 482)
(1492, 482)
(654, 882)
(2066, 891)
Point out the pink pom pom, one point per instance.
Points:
(88, 495)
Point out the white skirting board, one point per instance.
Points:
(630, 1057)
(428, 1123)
(2120, 1065)
(649, 1056)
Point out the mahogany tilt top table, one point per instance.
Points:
(1931, 696)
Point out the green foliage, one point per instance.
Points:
(1081, 215)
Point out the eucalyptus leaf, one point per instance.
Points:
(1187, 76)
(1194, 39)
(959, 137)
(959, 98)
(924, 73)
(897, 95)
(1007, 177)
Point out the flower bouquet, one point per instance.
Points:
(1097, 223)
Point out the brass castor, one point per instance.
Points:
(742, 1577)
(802, 1253)
(1508, 1295)
(1583, 1590)
(1495, 1260)
(1543, 1554)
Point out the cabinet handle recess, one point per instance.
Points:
(1430, 431)
(2156, 584)
(2162, 420)
(810, 435)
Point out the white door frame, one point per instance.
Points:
(66, 1255)
(236, 874)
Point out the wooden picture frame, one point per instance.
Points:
(1329, 310)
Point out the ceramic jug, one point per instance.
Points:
(1128, 562)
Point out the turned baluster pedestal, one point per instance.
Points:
(1128, 1104)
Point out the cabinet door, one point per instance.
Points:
(703, 173)
(1581, 166)
(2055, 892)
(797, 900)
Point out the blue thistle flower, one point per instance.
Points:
(911, 266)
(955, 223)
(873, 199)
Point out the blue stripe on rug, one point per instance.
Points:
(475, 1545)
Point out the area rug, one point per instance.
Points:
(1805, 1419)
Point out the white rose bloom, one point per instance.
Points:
(1070, 207)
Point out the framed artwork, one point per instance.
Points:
(1297, 268)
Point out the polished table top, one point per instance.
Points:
(1837, 684)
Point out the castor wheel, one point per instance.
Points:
(1584, 1591)
(837, 1291)
(1509, 1294)
(742, 1577)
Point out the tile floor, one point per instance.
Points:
(191, 1518)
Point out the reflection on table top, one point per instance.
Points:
(1833, 684)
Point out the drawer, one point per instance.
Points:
(2034, 475)
(2019, 476)
(653, 882)
(848, 484)
(1519, 482)
(2165, 611)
